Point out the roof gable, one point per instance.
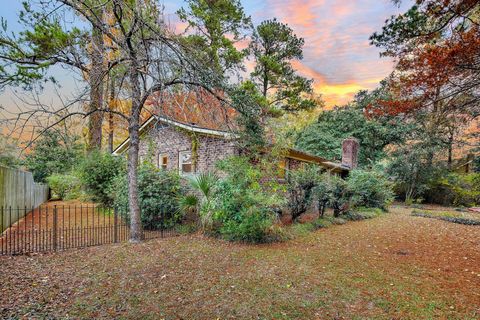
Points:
(153, 120)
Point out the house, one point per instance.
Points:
(182, 135)
(192, 148)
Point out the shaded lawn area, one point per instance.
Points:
(393, 267)
(465, 217)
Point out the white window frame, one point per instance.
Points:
(180, 163)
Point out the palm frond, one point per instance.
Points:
(188, 203)
(204, 182)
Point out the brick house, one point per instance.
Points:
(191, 148)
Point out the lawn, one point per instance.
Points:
(463, 217)
(393, 267)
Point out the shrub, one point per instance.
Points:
(369, 189)
(246, 201)
(158, 192)
(64, 186)
(300, 188)
(456, 189)
(362, 214)
(332, 191)
(53, 153)
(98, 172)
(247, 227)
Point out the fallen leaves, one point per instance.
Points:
(396, 266)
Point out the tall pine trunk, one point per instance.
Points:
(95, 118)
(133, 130)
(110, 114)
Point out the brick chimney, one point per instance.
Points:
(350, 148)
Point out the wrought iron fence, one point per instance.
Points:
(52, 227)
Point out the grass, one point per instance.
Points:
(394, 267)
(467, 218)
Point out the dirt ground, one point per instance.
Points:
(393, 267)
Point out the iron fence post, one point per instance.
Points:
(55, 228)
(115, 225)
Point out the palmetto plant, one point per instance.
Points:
(202, 201)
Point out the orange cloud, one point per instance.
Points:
(337, 53)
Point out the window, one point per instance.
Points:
(185, 162)
(163, 161)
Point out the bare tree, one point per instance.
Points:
(156, 61)
(52, 39)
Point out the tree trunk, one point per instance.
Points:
(110, 115)
(450, 151)
(95, 119)
(136, 232)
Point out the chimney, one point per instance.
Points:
(350, 153)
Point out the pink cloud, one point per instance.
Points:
(337, 53)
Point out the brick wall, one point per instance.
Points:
(211, 149)
(168, 140)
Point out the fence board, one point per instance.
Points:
(17, 190)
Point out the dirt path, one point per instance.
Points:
(393, 267)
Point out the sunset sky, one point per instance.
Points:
(337, 54)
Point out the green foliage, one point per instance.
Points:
(249, 102)
(398, 29)
(370, 189)
(413, 170)
(186, 228)
(43, 42)
(54, 152)
(189, 203)
(361, 189)
(274, 46)
(239, 206)
(300, 187)
(159, 192)
(456, 189)
(324, 137)
(98, 172)
(8, 153)
(246, 200)
(448, 216)
(64, 186)
(249, 226)
(219, 25)
(334, 192)
(204, 184)
(303, 229)
(362, 214)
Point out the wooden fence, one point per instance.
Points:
(17, 189)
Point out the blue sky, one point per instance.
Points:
(336, 53)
